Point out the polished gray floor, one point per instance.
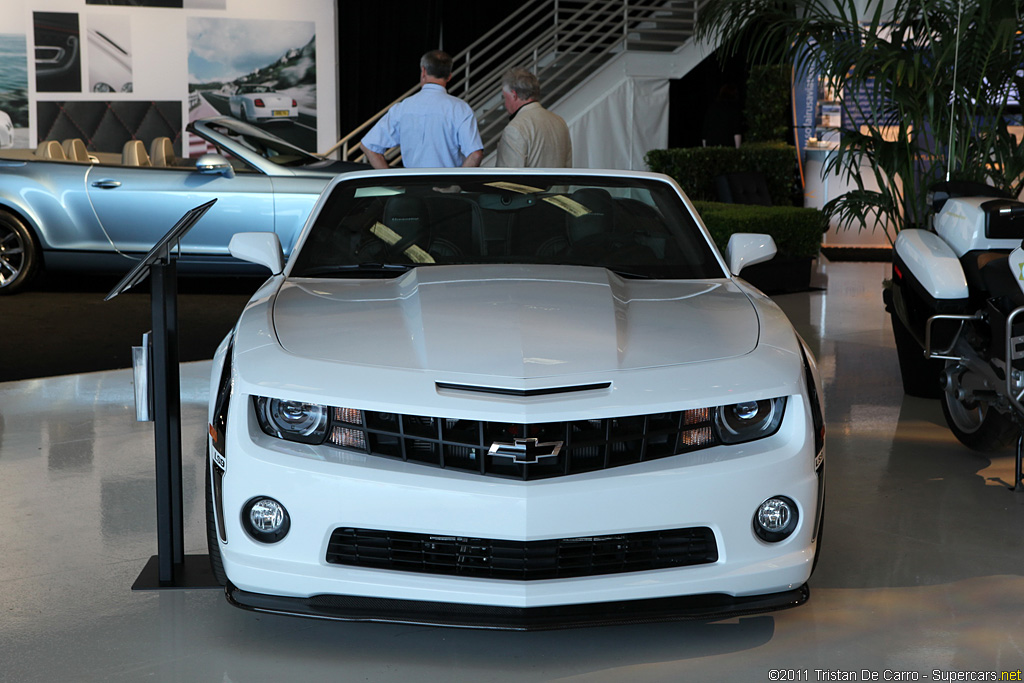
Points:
(921, 568)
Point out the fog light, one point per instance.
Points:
(775, 519)
(265, 520)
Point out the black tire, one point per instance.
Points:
(212, 541)
(978, 426)
(19, 254)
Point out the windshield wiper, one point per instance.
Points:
(369, 268)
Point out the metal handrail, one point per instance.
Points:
(563, 40)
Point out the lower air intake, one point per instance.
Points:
(522, 560)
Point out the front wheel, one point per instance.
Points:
(19, 254)
(977, 425)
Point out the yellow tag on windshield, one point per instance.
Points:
(570, 206)
(415, 253)
(515, 187)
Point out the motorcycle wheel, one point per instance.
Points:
(977, 425)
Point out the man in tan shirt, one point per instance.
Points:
(534, 136)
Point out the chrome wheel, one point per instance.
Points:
(976, 424)
(968, 419)
(12, 255)
(18, 254)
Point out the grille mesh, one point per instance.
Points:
(522, 560)
(583, 445)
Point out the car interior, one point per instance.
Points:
(428, 225)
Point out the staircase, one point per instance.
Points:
(584, 52)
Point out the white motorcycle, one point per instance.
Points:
(957, 305)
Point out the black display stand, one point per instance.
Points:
(170, 567)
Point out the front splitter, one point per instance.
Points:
(708, 607)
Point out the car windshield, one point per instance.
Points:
(248, 89)
(636, 227)
(268, 146)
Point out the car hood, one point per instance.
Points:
(521, 322)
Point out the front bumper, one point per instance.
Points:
(718, 488)
(356, 608)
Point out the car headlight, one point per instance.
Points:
(311, 423)
(292, 420)
(749, 420)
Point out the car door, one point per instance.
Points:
(138, 205)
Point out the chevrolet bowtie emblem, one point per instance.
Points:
(526, 451)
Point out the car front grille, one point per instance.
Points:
(528, 451)
(522, 560)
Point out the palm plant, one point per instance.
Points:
(929, 78)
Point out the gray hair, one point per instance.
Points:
(523, 83)
(437, 63)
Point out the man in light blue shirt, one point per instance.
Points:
(435, 129)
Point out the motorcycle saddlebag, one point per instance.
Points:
(927, 280)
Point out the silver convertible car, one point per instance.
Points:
(63, 207)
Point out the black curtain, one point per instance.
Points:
(380, 43)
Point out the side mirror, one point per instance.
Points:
(214, 164)
(746, 249)
(262, 248)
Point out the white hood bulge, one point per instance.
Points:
(518, 321)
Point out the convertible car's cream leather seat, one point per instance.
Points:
(50, 149)
(134, 154)
(161, 152)
(74, 150)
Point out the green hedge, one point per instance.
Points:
(695, 168)
(768, 110)
(796, 231)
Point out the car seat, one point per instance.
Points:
(134, 154)
(161, 152)
(74, 150)
(50, 149)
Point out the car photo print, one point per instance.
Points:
(512, 399)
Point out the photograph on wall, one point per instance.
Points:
(178, 4)
(258, 71)
(138, 3)
(13, 91)
(107, 126)
(109, 46)
(58, 54)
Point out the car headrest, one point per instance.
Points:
(407, 216)
(161, 152)
(50, 149)
(599, 207)
(134, 154)
(74, 149)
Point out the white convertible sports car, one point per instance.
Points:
(260, 102)
(512, 399)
